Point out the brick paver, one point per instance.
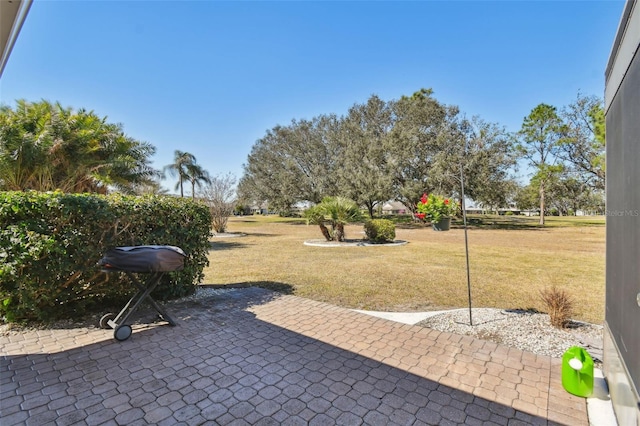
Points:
(252, 356)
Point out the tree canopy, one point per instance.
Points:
(45, 146)
(362, 167)
(292, 163)
(583, 144)
(380, 150)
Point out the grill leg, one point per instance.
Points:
(126, 312)
(118, 322)
(152, 282)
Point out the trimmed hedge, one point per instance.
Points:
(380, 230)
(50, 244)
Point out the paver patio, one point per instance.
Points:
(251, 356)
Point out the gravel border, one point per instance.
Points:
(228, 235)
(525, 330)
(352, 243)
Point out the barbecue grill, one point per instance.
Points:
(154, 260)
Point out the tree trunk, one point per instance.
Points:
(339, 232)
(541, 203)
(325, 231)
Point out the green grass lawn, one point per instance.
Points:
(512, 258)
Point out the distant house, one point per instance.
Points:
(257, 209)
(474, 210)
(300, 207)
(394, 207)
(470, 207)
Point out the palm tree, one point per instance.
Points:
(340, 211)
(337, 212)
(180, 167)
(90, 155)
(44, 146)
(315, 216)
(24, 138)
(196, 175)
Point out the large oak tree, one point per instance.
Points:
(291, 164)
(363, 171)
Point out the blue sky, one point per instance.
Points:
(211, 77)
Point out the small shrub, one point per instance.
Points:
(380, 230)
(559, 306)
(508, 213)
(335, 212)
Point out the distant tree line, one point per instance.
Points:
(566, 150)
(380, 150)
(399, 149)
